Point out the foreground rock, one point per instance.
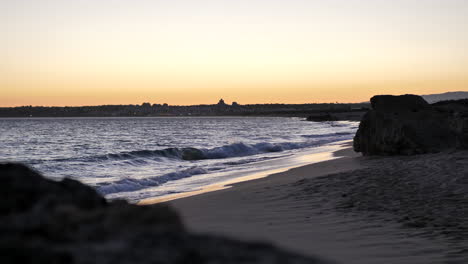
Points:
(43, 221)
(407, 125)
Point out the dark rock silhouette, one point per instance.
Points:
(45, 221)
(322, 117)
(407, 124)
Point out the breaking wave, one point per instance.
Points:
(239, 149)
(129, 184)
(192, 154)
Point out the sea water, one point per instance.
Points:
(138, 158)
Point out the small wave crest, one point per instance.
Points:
(129, 185)
(179, 153)
(228, 151)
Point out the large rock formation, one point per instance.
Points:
(407, 124)
(44, 221)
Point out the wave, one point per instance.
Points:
(178, 153)
(228, 151)
(129, 185)
(232, 150)
(193, 154)
(138, 156)
(239, 149)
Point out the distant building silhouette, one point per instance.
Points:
(221, 102)
(220, 109)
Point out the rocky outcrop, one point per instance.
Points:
(45, 221)
(353, 115)
(407, 124)
(321, 117)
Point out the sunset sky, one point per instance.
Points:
(92, 52)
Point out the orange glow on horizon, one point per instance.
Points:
(53, 95)
(73, 53)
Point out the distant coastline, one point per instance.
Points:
(312, 111)
(352, 111)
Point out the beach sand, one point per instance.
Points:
(349, 210)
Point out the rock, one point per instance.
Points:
(23, 188)
(45, 221)
(321, 117)
(406, 125)
(402, 103)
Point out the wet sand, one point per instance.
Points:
(349, 210)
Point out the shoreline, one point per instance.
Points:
(342, 149)
(348, 210)
(255, 210)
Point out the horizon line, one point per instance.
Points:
(182, 105)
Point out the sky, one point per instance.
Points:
(182, 52)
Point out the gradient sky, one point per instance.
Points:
(90, 52)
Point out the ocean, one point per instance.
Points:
(139, 158)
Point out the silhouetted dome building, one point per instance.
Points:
(221, 102)
(235, 104)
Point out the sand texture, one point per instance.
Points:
(349, 210)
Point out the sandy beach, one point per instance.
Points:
(234, 132)
(351, 209)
